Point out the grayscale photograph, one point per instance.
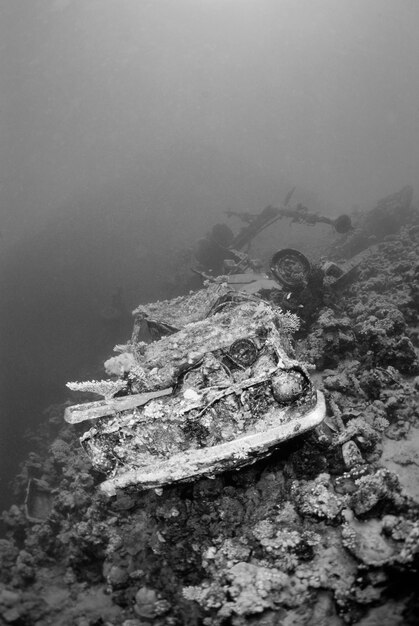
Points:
(209, 319)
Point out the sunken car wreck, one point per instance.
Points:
(218, 391)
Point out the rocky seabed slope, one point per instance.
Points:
(325, 531)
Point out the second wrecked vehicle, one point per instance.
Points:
(215, 388)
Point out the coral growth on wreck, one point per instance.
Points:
(325, 531)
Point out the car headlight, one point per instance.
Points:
(288, 386)
(243, 352)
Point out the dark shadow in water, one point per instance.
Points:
(56, 321)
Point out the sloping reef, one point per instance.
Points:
(324, 531)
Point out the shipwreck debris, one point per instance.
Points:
(105, 408)
(222, 392)
(38, 501)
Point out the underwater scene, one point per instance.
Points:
(209, 246)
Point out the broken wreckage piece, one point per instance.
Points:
(222, 392)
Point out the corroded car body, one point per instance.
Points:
(216, 391)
